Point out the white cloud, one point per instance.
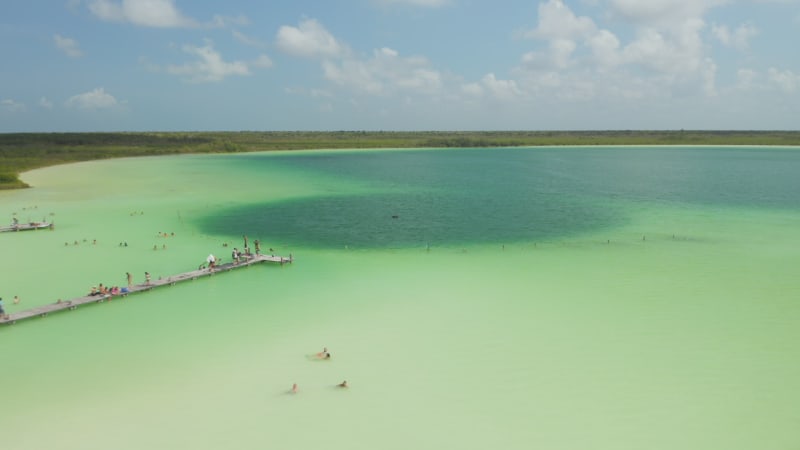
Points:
(561, 50)
(605, 48)
(773, 80)
(229, 21)
(310, 39)
(262, 61)
(667, 53)
(385, 73)
(11, 106)
(247, 40)
(578, 60)
(746, 78)
(472, 89)
(708, 73)
(786, 80)
(501, 89)
(210, 66)
(662, 13)
(69, 46)
(738, 39)
(313, 93)
(557, 21)
(147, 13)
(95, 99)
(565, 34)
(45, 103)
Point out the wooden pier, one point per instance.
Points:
(27, 226)
(71, 304)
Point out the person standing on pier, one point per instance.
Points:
(257, 243)
(2, 311)
(147, 277)
(130, 279)
(235, 255)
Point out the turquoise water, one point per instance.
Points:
(603, 298)
(469, 196)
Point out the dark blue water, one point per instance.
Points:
(469, 196)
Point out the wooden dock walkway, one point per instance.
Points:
(71, 304)
(27, 226)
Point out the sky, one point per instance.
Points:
(398, 65)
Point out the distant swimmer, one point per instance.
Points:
(294, 389)
(343, 384)
(324, 354)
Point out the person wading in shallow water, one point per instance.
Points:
(324, 354)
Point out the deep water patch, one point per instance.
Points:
(416, 198)
(410, 220)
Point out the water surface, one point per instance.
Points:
(522, 298)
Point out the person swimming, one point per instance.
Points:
(294, 389)
(343, 384)
(324, 354)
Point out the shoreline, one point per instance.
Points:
(23, 152)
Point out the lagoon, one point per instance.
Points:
(612, 297)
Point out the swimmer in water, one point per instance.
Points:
(324, 354)
(343, 384)
(294, 389)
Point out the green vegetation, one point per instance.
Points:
(20, 152)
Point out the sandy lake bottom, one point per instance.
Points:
(609, 298)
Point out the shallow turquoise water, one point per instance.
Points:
(614, 298)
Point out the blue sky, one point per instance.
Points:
(140, 65)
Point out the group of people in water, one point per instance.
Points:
(125, 243)
(323, 355)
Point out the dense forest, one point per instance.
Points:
(20, 152)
